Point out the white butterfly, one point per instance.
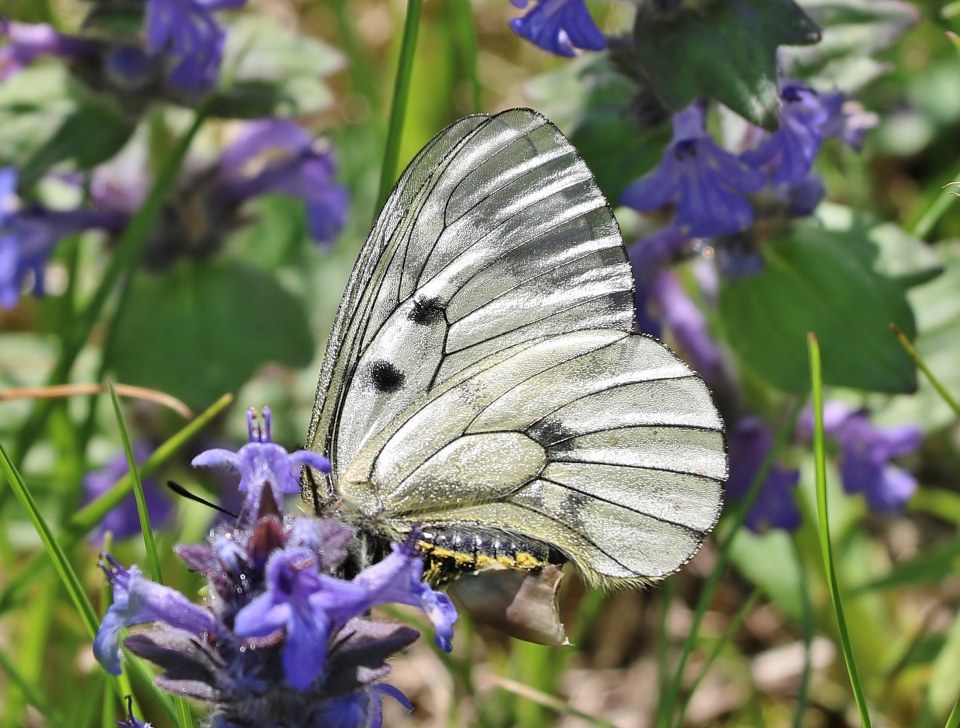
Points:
(483, 382)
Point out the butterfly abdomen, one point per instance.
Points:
(453, 550)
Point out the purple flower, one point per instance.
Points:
(359, 709)
(687, 323)
(281, 638)
(307, 606)
(28, 236)
(775, 506)
(788, 153)
(847, 120)
(131, 721)
(298, 166)
(709, 186)
(262, 462)
(397, 578)
(123, 521)
(188, 38)
(803, 197)
(865, 454)
(558, 26)
(26, 42)
(137, 600)
(647, 256)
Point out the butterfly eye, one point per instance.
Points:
(385, 376)
(426, 311)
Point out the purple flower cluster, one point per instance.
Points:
(182, 49)
(558, 26)
(724, 201)
(775, 505)
(124, 521)
(865, 464)
(280, 640)
(177, 57)
(865, 455)
(715, 192)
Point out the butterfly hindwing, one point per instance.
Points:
(600, 443)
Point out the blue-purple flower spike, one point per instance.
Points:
(559, 26)
(865, 455)
(186, 36)
(261, 461)
(124, 521)
(29, 235)
(298, 165)
(280, 639)
(709, 186)
(775, 506)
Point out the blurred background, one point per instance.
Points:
(233, 286)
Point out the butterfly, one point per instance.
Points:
(484, 387)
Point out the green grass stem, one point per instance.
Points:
(722, 642)
(91, 514)
(465, 35)
(401, 95)
(667, 704)
(922, 366)
(823, 518)
(184, 719)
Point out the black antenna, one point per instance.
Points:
(183, 492)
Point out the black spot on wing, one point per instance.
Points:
(549, 431)
(426, 311)
(385, 376)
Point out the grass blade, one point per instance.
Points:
(53, 548)
(671, 693)
(401, 94)
(149, 540)
(826, 548)
(809, 628)
(922, 366)
(465, 33)
(91, 514)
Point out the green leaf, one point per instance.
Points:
(595, 106)
(726, 51)
(930, 567)
(853, 30)
(820, 281)
(274, 71)
(937, 307)
(49, 118)
(898, 255)
(202, 329)
(944, 682)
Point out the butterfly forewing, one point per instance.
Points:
(482, 372)
(496, 234)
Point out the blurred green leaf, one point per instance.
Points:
(726, 51)
(931, 566)
(820, 281)
(202, 329)
(853, 30)
(596, 107)
(49, 118)
(937, 308)
(897, 255)
(944, 682)
(274, 71)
